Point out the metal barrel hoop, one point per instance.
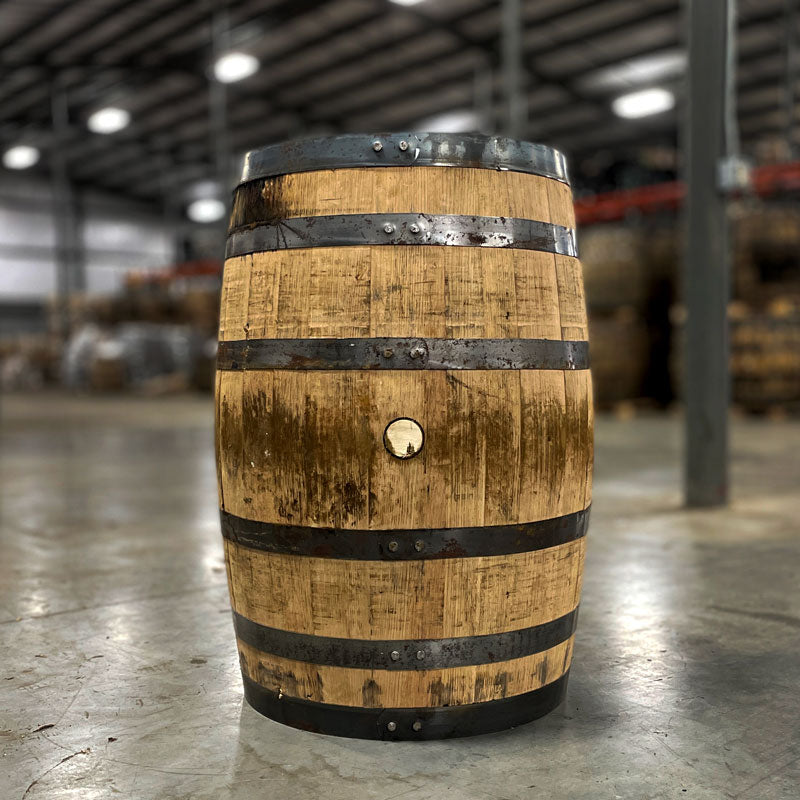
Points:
(404, 544)
(402, 354)
(442, 230)
(469, 150)
(406, 654)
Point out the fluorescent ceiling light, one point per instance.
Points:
(109, 120)
(20, 156)
(636, 71)
(451, 122)
(406, 2)
(208, 209)
(643, 103)
(235, 67)
(204, 189)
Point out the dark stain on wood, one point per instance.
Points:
(310, 462)
(371, 694)
(258, 202)
(441, 693)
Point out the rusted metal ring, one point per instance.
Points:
(443, 230)
(471, 150)
(398, 724)
(401, 654)
(402, 354)
(401, 544)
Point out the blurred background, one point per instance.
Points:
(123, 124)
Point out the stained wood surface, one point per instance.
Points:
(426, 190)
(501, 446)
(451, 292)
(367, 688)
(405, 600)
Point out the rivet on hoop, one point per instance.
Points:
(419, 545)
(377, 146)
(394, 655)
(403, 145)
(388, 228)
(420, 655)
(417, 726)
(391, 726)
(393, 547)
(414, 228)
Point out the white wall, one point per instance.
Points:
(117, 235)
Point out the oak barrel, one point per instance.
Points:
(404, 433)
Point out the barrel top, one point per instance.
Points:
(472, 150)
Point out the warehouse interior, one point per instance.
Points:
(123, 128)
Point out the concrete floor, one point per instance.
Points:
(119, 672)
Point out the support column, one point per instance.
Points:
(218, 105)
(511, 48)
(69, 246)
(483, 96)
(710, 135)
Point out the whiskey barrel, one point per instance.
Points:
(404, 433)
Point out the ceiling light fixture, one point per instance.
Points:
(406, 2)
(459, 121)
(207, 209)
(234, 67)
(108, 120)
(643, 103)
(20, 156)
(627, 75)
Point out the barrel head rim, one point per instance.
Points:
(472, 150)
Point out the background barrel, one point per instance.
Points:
(404, 433)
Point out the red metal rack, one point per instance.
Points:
(611, 206)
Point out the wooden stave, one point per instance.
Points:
(401, 190)
(432, 495)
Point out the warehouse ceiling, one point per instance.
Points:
(344, 66)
